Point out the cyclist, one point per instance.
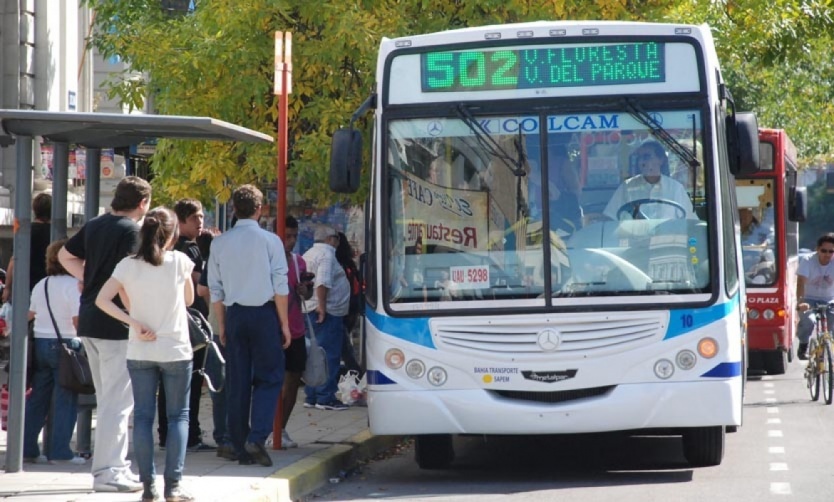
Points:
(814, 285)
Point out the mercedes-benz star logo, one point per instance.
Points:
(549, 340)
(434, 128)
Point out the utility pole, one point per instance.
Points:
(282, 89)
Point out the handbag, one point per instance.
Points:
(199, 329)
(201, 334)
(315, 369)
(74, 372)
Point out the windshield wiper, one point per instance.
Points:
(489, 144)
(636, 111)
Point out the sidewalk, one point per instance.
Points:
(330, 442)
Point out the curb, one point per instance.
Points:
(314, 471)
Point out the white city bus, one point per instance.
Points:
(627, 313)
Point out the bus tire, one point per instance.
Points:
(776, 362)
(703, 446)
(434, 451)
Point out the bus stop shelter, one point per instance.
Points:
(93, 131)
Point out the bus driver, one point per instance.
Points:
(653, 183)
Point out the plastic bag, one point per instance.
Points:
(352, 389)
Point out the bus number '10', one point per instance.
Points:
(472, 69)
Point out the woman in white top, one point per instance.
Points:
(155, 285)
(64, 299)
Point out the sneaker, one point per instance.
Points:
(286, 441)
(308, 404)
(334, 405)
(120, 483)
(802, 351)
(178, 494)
(73, 461)
(201, 446)
(40, 459)
(259, 453)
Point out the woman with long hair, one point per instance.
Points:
(344, 255)
(155, 285)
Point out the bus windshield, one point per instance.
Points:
(545, 206)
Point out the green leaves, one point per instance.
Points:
(219, 61)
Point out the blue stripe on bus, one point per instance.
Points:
(697, 318)
(724, 370)
(414, 330)
(376, 377)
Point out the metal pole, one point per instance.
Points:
(60, 171)
(91, 194)
(86, 403)
(20, 303)
(283, 83)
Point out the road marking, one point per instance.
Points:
(778, 466)
(770, 392)
(770, 399)
(768, 384)
(774, 433)
(776, 449)
(767, 377)
(780, 488)
(774, 420)
(772, 409)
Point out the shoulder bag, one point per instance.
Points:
(74, 372)
(201, 334)
(315, 369)
(199, 329)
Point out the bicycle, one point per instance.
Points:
(820, 368)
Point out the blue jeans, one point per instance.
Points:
(144, 378)
(218, 399)
(47, 396)
(330, 335)
(254, 372)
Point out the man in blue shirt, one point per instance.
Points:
(248, 284)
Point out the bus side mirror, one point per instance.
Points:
(798, 207)
(345, 160)
(744, 143)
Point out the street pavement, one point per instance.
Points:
(330, 444)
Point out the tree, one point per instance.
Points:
(218, 61)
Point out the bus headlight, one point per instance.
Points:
(686, 359)
(753, 314)
(769, 314)
(664, 369)
(708, 348)
(394, 359)
(415, 368)
(437, 376)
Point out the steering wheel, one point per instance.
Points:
(633, 208)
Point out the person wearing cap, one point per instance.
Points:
(327, 308)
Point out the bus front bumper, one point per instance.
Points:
(626, 407)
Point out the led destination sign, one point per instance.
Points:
(569, 66)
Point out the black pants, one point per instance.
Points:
(194, 432)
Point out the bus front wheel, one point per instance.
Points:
(434, 451)
(703, 446)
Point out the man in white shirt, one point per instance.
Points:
(327, 308)
(814, 286)
(653, 183)
(247, 278)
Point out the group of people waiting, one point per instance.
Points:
(121, 290)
